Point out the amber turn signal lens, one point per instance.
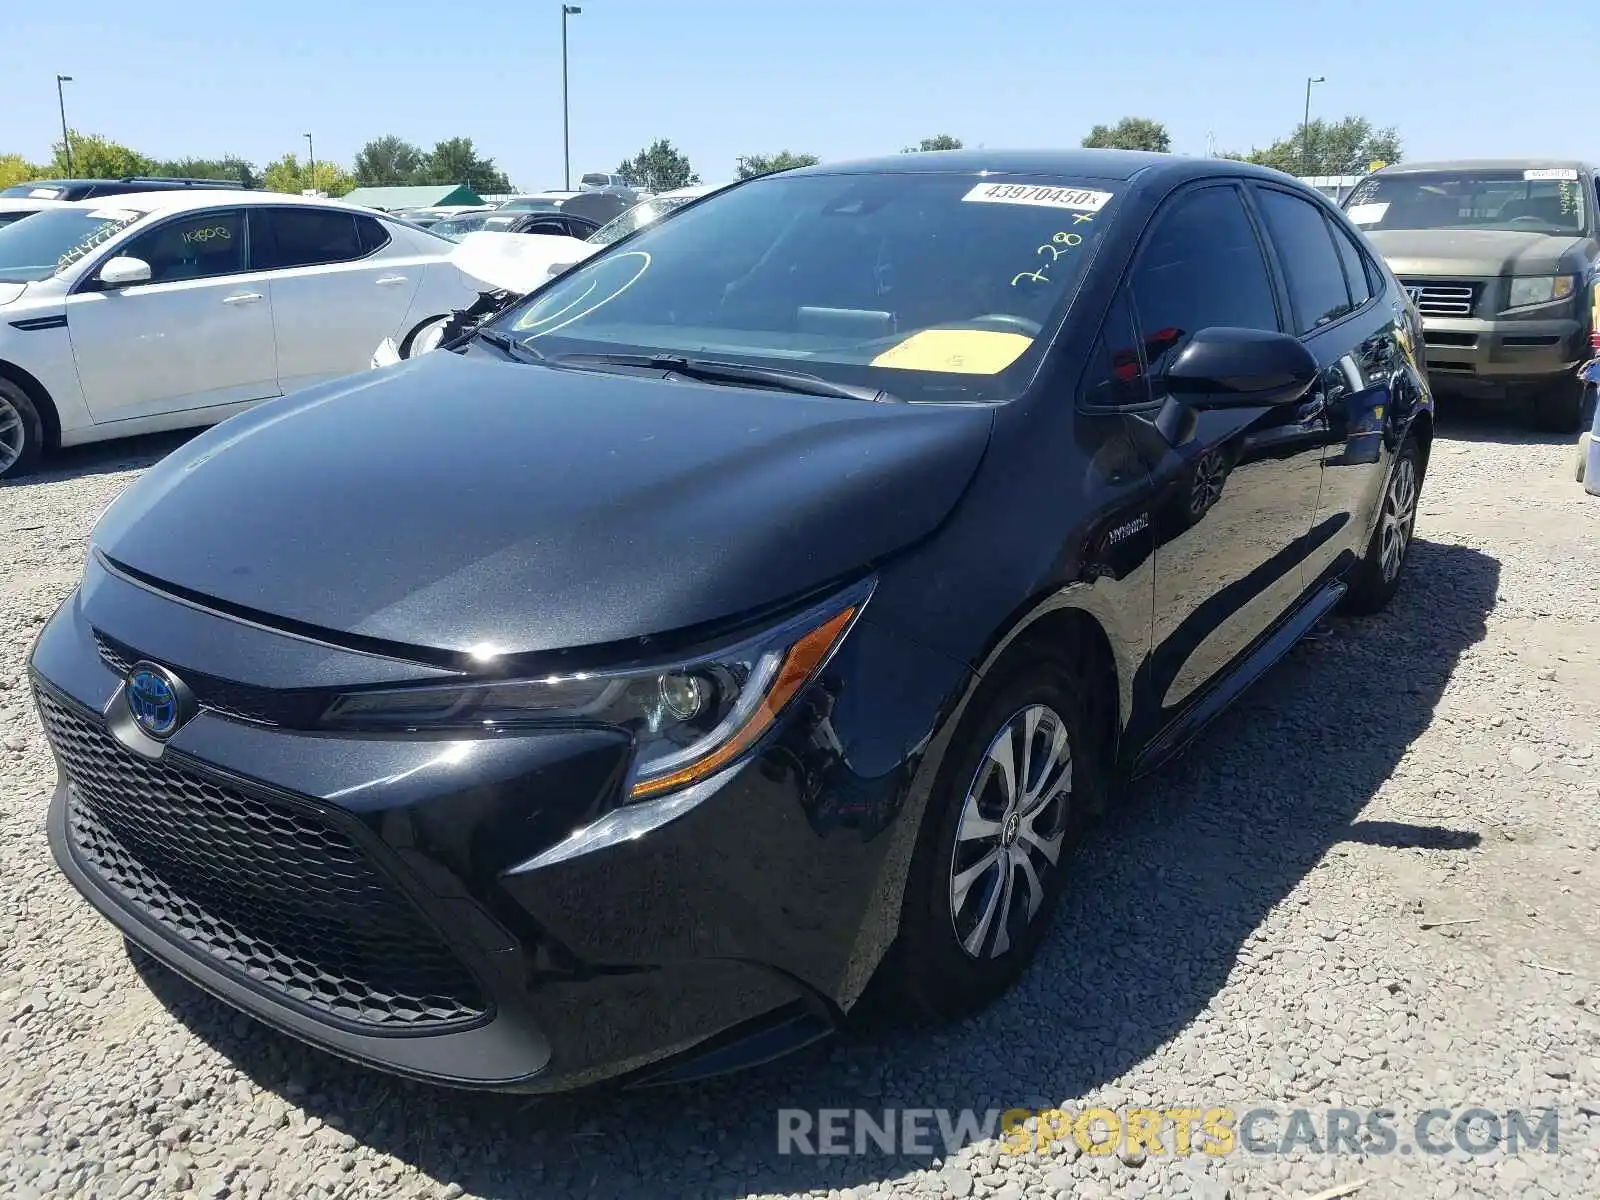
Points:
(799, 665)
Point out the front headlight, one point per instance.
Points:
(1539, 289)
(688, 719)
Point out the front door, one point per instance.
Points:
(1237, 493)
(198, 334)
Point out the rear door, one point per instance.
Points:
(339, 285)
(1237, 495)
(198, 334)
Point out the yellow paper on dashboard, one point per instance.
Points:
(961, 351)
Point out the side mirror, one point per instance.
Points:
(120, 272)
(1240, 368)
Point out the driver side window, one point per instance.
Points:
(1201, 267)
(194, 246)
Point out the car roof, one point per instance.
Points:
(1124, 165)
(179, 201)
(1483, 164)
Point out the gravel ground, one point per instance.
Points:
(1260, 924)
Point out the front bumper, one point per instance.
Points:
(1478, 356)
(775, 896)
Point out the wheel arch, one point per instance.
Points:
(36, 392)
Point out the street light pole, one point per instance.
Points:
(311, 152)
(66, 138)
(1305, 127)
(567, 10)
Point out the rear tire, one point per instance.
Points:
(992, 856)
(1558, 408)
(21, 432)
(1378, 577)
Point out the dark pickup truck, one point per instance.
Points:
(1502, 258)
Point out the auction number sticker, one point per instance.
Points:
(1079, 199)
(1367, 214)
(1568, 173)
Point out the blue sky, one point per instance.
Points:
(836, 78)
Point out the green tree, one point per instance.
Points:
(95, 157)
(1344, 147)
(389, 160)
(939, 141)
(289, 174)
(230, 167)
(16, 169)
(455, 160)
(659, 167)
(751, 165)
(1130, 133)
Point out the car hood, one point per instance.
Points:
(1476, 253)
(460, 502)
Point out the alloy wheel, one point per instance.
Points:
(1399, 517)
(13, 434)
(1013, 822)
(1206, 489)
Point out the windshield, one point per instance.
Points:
(930, 286)
(637, 217)
(1548, 200)
(54, 239)
(33, 191)
(455, 227)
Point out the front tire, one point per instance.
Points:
(21, 432)
(1023, 773)
(1378, 576)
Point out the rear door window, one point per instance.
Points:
(281, 238)
(1305, 248)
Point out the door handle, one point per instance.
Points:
(242, 298)
(390, 280)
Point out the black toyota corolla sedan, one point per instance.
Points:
(758, 608)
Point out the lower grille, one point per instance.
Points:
(272, 890)
(1443, 298)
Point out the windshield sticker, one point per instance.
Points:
(43, 193)
(1367, 214)
(1552, 173)
(1081, 199)
(958, 351)
(113, 214)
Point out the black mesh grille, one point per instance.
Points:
(237, 701)
(273, 890)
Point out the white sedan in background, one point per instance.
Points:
(164, 310)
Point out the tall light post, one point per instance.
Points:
(567, 10)
(61, 100)
(311, 152)
(1305, 127)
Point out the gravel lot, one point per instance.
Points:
(1258, 925)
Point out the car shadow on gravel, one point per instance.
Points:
(1166, 893)
(1503, 424)
(104, 458)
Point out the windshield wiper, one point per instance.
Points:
(710, 371)
(510, 347)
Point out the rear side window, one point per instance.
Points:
(1355, 265)
(1201, 267)
(1115, 377)
(1305, 247)
(195, 246)
(302, 237)
(373, 234)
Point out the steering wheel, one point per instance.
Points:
(1009, 321)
